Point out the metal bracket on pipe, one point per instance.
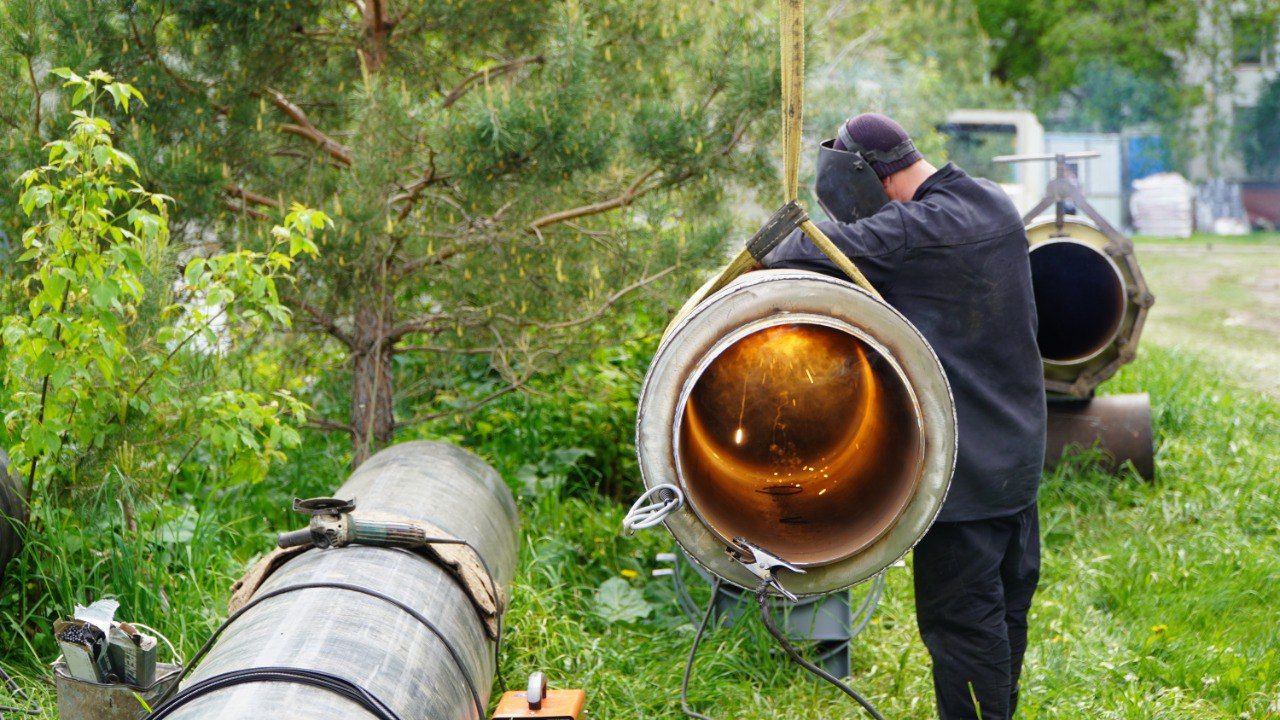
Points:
(764, 565)
(781, 224)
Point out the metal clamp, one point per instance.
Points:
(764, 565)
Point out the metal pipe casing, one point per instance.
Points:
(1117, 425)
(13, 513)
(801, 414)
(1092, 302)
(366, 640)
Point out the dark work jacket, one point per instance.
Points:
(954, 262)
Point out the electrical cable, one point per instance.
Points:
(693, 654)
(493, 590)
(169, 697)
(762, 598)
(646, 513)
(337, 685)
(33, 708)
(858, 621)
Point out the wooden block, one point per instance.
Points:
(558, 705)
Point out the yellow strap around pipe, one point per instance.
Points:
(791, 41)
(791, 44)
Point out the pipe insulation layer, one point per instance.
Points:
(366, 640)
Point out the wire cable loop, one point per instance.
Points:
(652, 507)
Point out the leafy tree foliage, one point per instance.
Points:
(1116, 60)
(499, 174)
(110, 351)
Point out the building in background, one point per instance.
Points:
(1235, 63)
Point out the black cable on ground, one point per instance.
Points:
(164, 701)
(32, 708)
(693, 653)
(314, 678)
(762, 598)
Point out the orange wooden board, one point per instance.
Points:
(558, 705)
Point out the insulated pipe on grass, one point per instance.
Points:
(13, 513)
(369, 641)
(1092, 301)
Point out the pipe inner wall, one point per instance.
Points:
(1080, 299)
(802, 438)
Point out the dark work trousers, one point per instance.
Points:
(974, 581)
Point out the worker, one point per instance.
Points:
(948, 250)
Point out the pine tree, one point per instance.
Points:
(499, 174)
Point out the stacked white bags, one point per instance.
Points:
(1163, 205)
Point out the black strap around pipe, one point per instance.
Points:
(170, 701)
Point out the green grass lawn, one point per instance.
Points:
(1158, 600)
(1219, 300)
(1207, 239)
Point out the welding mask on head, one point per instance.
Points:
(847, 187)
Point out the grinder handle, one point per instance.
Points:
(295, 538)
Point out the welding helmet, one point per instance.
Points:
(847, 186)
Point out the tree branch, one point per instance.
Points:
(252, 197)
(183, 83)
(458, 411)
(411, 192)
(244, 209)
(608, 303)
(35, 88)
(328, 425)
(413, 265)
(326, 321)
(304, 128)
(442, 349)
(628, 196)
(498, 70)
(422, 323)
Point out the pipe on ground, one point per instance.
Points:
(366, 640)
(13, 513)
(1118, 426)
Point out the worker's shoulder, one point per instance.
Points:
(961, 209)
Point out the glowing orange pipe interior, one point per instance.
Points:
(801, 439)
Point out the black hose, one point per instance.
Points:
(762, 597)
(693, 653)
(315, 678)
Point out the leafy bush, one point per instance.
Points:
(120, 375)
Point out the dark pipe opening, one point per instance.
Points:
(801, 439)
(1080, 299)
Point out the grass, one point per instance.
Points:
(1158, 600)
(1208, 239)
(1222, 301)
